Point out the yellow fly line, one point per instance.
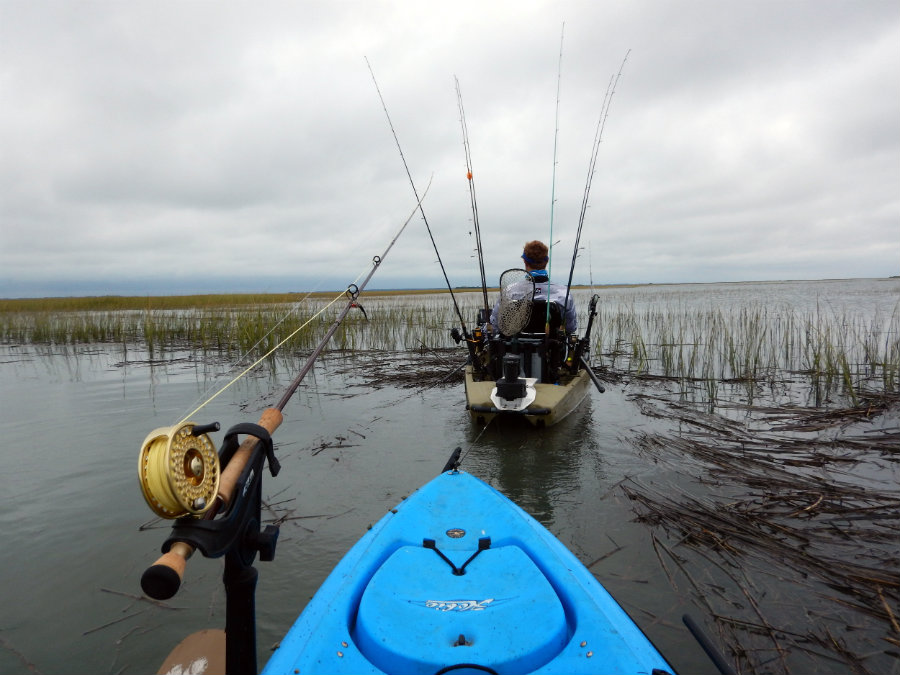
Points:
(264, 356)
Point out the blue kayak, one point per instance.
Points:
(458, 579)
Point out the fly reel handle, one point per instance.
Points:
(162, 579)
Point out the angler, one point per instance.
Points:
(526, 359)
(536, 257)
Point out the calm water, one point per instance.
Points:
(71, 511)
(861, 297)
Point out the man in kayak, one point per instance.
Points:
(535, 255)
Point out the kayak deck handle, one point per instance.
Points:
(484, 543)
(466, 666)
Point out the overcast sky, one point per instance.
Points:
(181, 147)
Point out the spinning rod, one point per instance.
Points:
(477, 226)
(553, 182)
(421, 210)
(592, 164)
(179, 470)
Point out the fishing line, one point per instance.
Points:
(249, 351)
(293, 309)
(377, 260)
(592, 164)
(369, 236)
(263, 357)
(475, 441)
(421, 210)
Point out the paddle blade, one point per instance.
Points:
(201, 652)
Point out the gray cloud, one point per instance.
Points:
(185, 147)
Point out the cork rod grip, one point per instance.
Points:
(270, 421)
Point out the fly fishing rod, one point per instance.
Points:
(592, 164)
(471, 180)
(181, 478)
(421, 210)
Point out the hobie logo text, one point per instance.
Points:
(458, 605)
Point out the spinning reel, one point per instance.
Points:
(179, 470)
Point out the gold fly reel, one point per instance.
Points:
(178, 472)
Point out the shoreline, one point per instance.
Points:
(175, 300)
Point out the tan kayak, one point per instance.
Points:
(544, 407)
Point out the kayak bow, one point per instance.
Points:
(459, 578)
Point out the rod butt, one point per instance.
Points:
(163, 578)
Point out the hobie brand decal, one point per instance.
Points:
(456, 605)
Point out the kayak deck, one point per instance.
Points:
(458, 574)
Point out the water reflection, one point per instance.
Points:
(536, 468)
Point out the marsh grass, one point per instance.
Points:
(117, 303)
(233, 326)
(710, 352)
(753, 347)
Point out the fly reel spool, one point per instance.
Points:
(179, 470)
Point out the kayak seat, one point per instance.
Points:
(418, 616)
(540, 354)
(540, 357)
(538, 321)
(530, 349)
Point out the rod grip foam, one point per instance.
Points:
(163, 578)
